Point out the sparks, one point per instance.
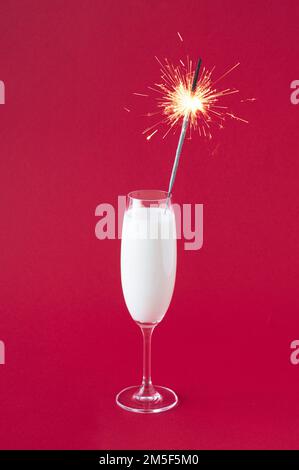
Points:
(140, 94)
(176, 99)
(151, 135)
(247, 99)
(180, 36)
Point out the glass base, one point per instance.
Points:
(130, 399)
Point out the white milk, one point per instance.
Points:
(148, 262)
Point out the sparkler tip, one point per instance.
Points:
(195, 78)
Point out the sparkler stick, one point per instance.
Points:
(195, 78)
(182, 136)
(178, 154)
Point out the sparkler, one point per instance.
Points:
(192, 101)
(183, 132)
(185, 97)
(182, 92)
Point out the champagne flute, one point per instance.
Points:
(148, 270)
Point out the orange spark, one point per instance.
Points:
(151, 135)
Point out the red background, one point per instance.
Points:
(67, 145)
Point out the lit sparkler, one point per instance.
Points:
(176, 99)
(189, 100)
(185, 97)
(187, 112)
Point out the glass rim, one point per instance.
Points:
(149, 195)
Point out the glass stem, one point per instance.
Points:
(147, 355)
(147, 390)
